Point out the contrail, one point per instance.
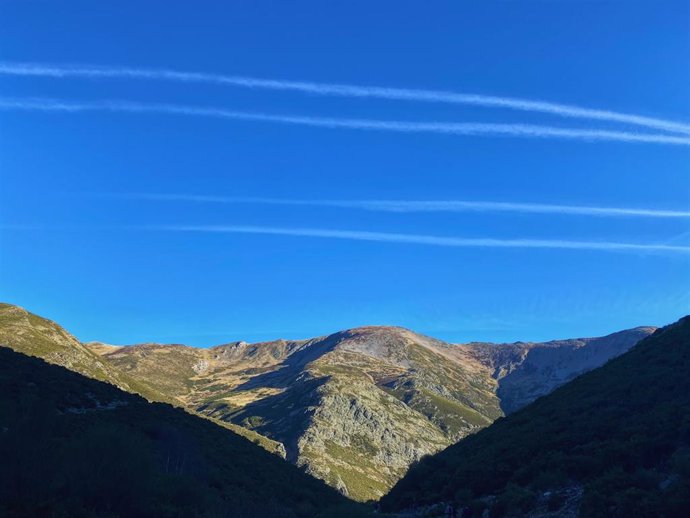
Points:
(423, 206)
(423, 239)
(385, 237)
(344, 90)
(457, 128)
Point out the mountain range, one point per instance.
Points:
(355, 408)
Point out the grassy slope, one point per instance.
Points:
(73, 446)
(621, 432)
(30, 334)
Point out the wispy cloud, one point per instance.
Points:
(459, 128)
(424, 206)
(343, 90)
(383, 237)
(424, 239)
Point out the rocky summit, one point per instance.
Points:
(355, 408)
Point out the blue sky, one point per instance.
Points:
(77, 246)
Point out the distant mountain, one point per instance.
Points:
(73, 446)
(526, 371)
(614, 442)
(354, 408)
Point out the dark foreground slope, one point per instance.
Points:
(74, 446)
(619, 436)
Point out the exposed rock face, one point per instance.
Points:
(384, 399)
(526, 371)
(354, 408)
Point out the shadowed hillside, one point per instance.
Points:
(615, 442)
(73, 446)
(527, 370)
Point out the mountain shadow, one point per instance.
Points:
(78, 447)
(293, 365)
(614, 442)
(526, 371)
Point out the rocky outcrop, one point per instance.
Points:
(526, 371)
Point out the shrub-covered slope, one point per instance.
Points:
(74, 446)
(619, 436)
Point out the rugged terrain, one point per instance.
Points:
(526, 371)
(614, 442)
(355, 408)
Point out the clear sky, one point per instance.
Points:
(177, 216)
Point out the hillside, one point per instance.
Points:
(74, 446)
(614, 442)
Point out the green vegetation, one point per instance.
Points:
(448, 414)
(258, 439)
(458, 385)
(77, 447)
(347, 466)
(619, 435)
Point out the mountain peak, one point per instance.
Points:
(382, 341)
